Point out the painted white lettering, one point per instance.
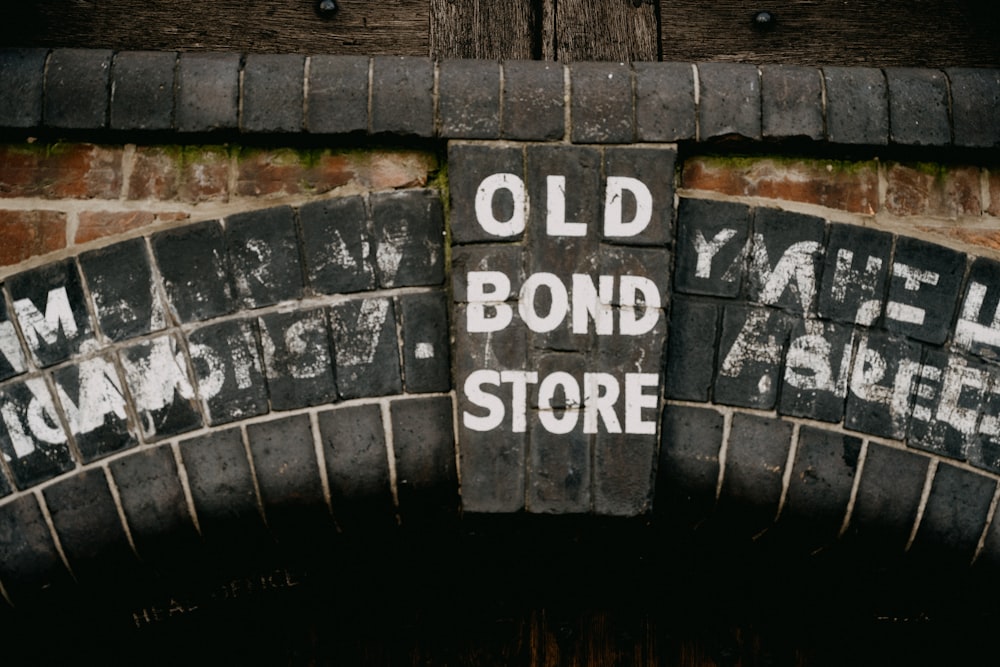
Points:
(755, 342)
(635, 294)
(957, 378)
(913, 278)
(484, 204)
(614, 225)
(480, 298)
(519, 396)
(636, 400)
(10, 348)
(601, 392)
(796, 263)
(555, 214)
(100, 395)
(38, 328)
(355, 350)
(478, 397)
(864, 281)
(552, 422)
(707, 250)
(558, 302)
(41, 414)
(968, 331)
(589, 300)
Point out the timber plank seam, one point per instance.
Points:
(279, 94)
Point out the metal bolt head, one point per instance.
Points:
(327, 7)
(763, 19)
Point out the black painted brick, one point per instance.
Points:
(365, 348)
(403, 95)
(983, 284)
(506, 259)
(954, 516)
(711, 219)
(87, 387)
(22, 74)
(852, 287)
(775, 232)
(664, 101)
(426, 348)
(944, 422)
(918, 107)
(749, 375)
(693, 330)
(357, 467)
(36, 286)
(272, 93)
(654, 167)
(889, 492)
(297, 360)
(424, 448)
(408, 238)
(154, 504)
(207, 91)
(469, 99)
(39, 460)
(125, 298)
(817, 370)
(192, 261)
(76, 88)
(336, 246)
(88, 525)
(229, 371)
(688, 470)
(337, 101)
(937, 297)
(857, 105)
(877, 415)
(142, 90)
(791, 101)
(12, 359)
(729, 102)
(975, 106)
(264, 256)
(144, 364)
(468, 165)
(533, 100)
(288, 475)
(29, 561)
(601, 107)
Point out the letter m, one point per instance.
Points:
(38, 328)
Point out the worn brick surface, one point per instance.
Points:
(855, 271)
(533, 106)
(36, 447)
(426, 345)
(889, 492)
(402, 98)
(336, 246)
(947, 405)
(975, 106)
(98, 224)
(654, 168)
(722, 227)
(365, 348)
(207, 91)
(29, 561)
(872, 406)
(664, 101)
(779, 236)
(977, 330)
(408, 238)
(93, 400)
(12, 358)
(923, 290)
(424, 447)
(72, 171)
(792, 101)
(191, 174)
(22, 76)
(297, 359)
(750, 354)
(142, 90)
(76, 88)
(506, 259)
(157, 378)
(929, 189)
(729, 100)
(468, 166)
(31, 233)
(688, 470)
(857, 105)
(264, 256)
(817, 369)
(955, 515)
(125, 298)
(918, 107)
(272, 93)
(337, 100)
(601, 104)
(229, 371)
(469, 99)
(693, 332)
(192, 261)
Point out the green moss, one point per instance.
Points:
(745, 162)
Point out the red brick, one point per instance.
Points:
(26, 234)
(98, 224)
(933, 190)
(263, 172)
(994, 185)
(204, 174)
(983, 238)
(155, 174)
(76, 171)
(848, 186)
(399, 170)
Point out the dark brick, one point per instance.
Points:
(192, 261)
(469, 99)
(264, 256)
(426, 345)
(654, 167)
(12, 359)
(817, 370)
(820, 486)
(923, 290)
(424, 448)
(288, 475)
(408, 238)
(729, 102)
(337, 101)
(89, 528)
(954, 516)
(366, 349)
(755, 461)
(688, 470)
(94, 403)
(228, 368)
(29, 561)
(154, 504)
(855, 271)
(619, 261)
(752, 345)
(889, 492)
(221, 482)
(874, 405)
(984, 451)
(22, 73)
(785, 259)
(948, 398)
(975, 106)
(126, 300)
(857, 105)
(533, 100)
(693, 331)
(142, 90)
(336, 245)
(918, 107)
(468, 166)
(207, 91)
(978, 329)
(357, 466)
(721, 230)
(32, 456)
(601, 103)
(52, 311)
(272, 93)
(297, 359)
(507, 259)
(989, 557)
(157, 378)
(403, 95)
(76, 88)
(664, 101)
(791, 101)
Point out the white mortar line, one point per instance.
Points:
(185, 484)
(567, 106)
(786, 475)
(306, 71)
(253, 473)
(56, 542)
(855, 484)
(924, 496)
(390, 453)
(727, 427)
(128, 165)
(697, 101)
(990, 514)
(3, 592)
(116, 495)
(321, 462)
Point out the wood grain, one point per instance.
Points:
(619, 30)
(490, 29)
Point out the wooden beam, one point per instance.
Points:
(620, 30)
(491, 29)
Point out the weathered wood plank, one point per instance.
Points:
(927, 33)
(360, 27)
(607, 30)
(491, 29)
